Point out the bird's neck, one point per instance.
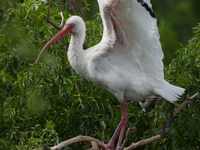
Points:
(75, 51)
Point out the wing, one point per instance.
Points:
(132, 22)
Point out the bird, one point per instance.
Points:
(127, 61)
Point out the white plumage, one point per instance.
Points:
(128, 60)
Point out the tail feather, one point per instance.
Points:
(169, 91)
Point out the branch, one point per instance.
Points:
(49, 8)
(166, 128)
(185, 103)
(143, 142)
(78, 139)
(48, 20)
(127, 136)
(71, 7)
(95, 146)
(61, 14)
(151, 102)
(96, 142)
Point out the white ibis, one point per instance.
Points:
(128, 60)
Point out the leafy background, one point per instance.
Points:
(40, 103)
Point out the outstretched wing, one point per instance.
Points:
(133, 23)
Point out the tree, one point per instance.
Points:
(47, 103)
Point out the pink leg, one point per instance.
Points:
(121, 126)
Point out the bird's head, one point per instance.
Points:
(74, 25)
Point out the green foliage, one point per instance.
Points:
(185, 72)
(40, 103)
(173, 23)
(186, 69)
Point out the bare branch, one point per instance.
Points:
(166, 128)
(78, 139)
(48, 20)
(94, 146)
(61, 14)
(71, 7)
(151, 102)
(127, 136)
(143, 142)
(52, 23)
(96, 142)
(49, 9)
(185, 103)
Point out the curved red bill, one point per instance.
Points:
(64, 31)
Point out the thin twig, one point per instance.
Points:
(52, 23)
(71, 7)
(78, 139)
(185, 103)
(49, 9)
(48, 20)
(168, 122)
(62, 17)
(143, 142)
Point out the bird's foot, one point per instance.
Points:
(121, 126)
(109, 146)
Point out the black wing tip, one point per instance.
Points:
(144, 4)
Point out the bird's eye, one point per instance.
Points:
(72, 26)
